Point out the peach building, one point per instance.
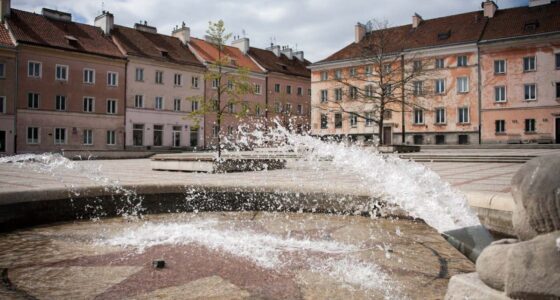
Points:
(71, 81)
(520, 63)
(7, 91)
(164, 84)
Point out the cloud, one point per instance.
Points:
(318, 27)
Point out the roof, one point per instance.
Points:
(5, 40)
(151, 45)
(35, 29)
(209, 53)
(450, 30)
(281, 64)
(509, 23)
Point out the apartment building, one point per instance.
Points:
(71, 87)
(7, 89)
(165, 82)
(520, 78)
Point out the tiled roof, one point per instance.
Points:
(449, 30)
(150, 45)
(209, 53)
(282, 64)
(5, 39)
(512, 22)
(31, 28)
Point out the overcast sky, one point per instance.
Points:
(318, 27)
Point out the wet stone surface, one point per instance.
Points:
(244, 255)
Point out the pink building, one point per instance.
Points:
(7, 90)
(71, 84)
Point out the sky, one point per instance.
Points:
(317, 27)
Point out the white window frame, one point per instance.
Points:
(500, 128)
(338, 94)
(440, 86)
(534, 126)
(92, 104)
(299, 91)
(137, 72)
(534, 98)
(418, 88)
(87, 137)
(338, 74)
(33, 142)
(534, 59)
(62, 67)
(460, 87)
(438, 65)
(501, 69)
(178, 79)
(109, 111)
(92, 79)
(353, 120)
(369, 119)
(138, 99)
(443, 119)
(177, 104)
(40, 69)
(215, 83)
(324, 96)
(324, 76)
(111, 137)
(57, 141)
(56, 98)
(38, 102)
(194, 82)
(460, 116)
(418, 116)
(300, 109)
(460, 62)
(194, 105)
(159, 77)
(257, 88)
(500, 90)
(326, 118)
(112, 79)
(159, 103)
(368, 70)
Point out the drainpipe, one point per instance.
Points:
(16, 97)
(403, 138)
(479, 96)
(204, 116)
(266, 103)
(125, 100)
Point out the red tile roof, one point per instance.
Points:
(150, 45)
(31, 28)
(509, 23)
(209, 53)
(281, 64)
(5, 39)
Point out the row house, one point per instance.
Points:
(164, 83)
(70, 84)
(454, 98)
(7, 89)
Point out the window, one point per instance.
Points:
(2, 104)
(530, 125)
(178, 80)
(440, 115)
(194, 82)
(387, 114)
(60, 103)
(418, 116)
(418, 87)
(139, 101)
(159, 77)
(353, 92)
(139, 74)
(61, 72)
(2, 70)
(529, 64)
(277, 88)
(353, 72)
(353, 120)
(309, 92)
(463, 139)
(194, 106)
(278, 107)
(417, 66)
(462, 61)
(440, 139)
(462, 85)
(32, 135)
(111, 106)
(88, 104)
(368, 70)
(338, 120)
(34, 69)
(324, 121)
(215, 105)
(112, 79)
(215, 131)
(463, 114)
(215, 83)
(231, 107)
(288, 108)
(257, 110)
(557, 60)
(300, 109)
(558, 90)
(230, 130)
(324, 95)
(387, 69)
(338, 94)
(88, 137)
(369, 90)
(177, 104)
(158, 135)
(500, 126)
(159, 103)
(440, 63)
(499, 66)
(500, 94)
(257, 89)
(369, 119)
(338, 74)
(324, 76)
(245, 108)
(387, 89)
(59, 136)
(138, 134)
(89, 76)
(111, 137)
(530, 92)
(440, 86)
(33, 100)
(300, 91)
(288, 89)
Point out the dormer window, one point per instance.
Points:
(444, 35)
(72, 41)
(163, 52)
(531, 25)
(234, 62)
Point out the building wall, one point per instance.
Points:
(8, 90)
(545, 109)
(46, 117)
(298, 121)
(149, 89)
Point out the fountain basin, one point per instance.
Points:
(208, 163)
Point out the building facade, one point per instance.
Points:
(7, 92)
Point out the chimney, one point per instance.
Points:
(275, 49)
(288, 52)
(416, 20)
(490, 7)
(359, 32)
(56, 15)
(533, 3)
(145, 27)
(183, 33)
(105, 21)
(242, 44)
(5, 8)
(299, 55)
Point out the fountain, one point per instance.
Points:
(237, 242)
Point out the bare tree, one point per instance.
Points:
(385, 79)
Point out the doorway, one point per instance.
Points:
(2, 141)
(176, 136)
(194, 137)
(387, 135)
(557, 130)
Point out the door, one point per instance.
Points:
(387, 135)
(176, 136)
(557, 130)
(194, 137)
(2, 141)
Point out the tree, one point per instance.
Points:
(230, 84)
(387, 80)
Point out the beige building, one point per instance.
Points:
(7, 91)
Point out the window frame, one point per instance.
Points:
(443, 119)
(529, 85)
(498, 69)
(3, 108)
(159, 100)
(353, 119)
(36, 100)
(195, 82)
(111, 137)
(139, 71)
(138, 98)
(324, 96)
(500, 126)
(461, 116)
(110, 76)
(87, 141)
(92, 104)
(57, 141)
(459, 86)
(177, 104)
(158, 77)
(438, 86)
(338, 123)
(38, 141)
(527, 64)
(438, 65)
(56, 102)
(114, 107)
(532, 128)
(2, 70)
(418, 116)
(40, 64)
(178, 79)
(84, 72)
(66, 69)
(503, 94)
(462, 61)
